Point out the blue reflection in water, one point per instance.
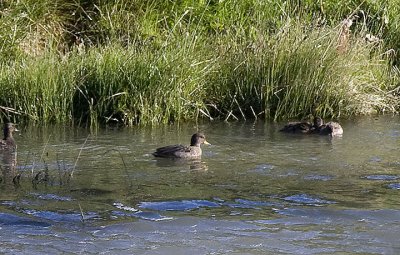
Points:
(262, 168)
(394, 186)
(250, 204)
(382, 177)
(307, 200)
(183, 205)
(61, 216)
(51, 197)
(11, 219)
(318, 177)
(152, 216)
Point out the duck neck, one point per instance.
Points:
(194, 141)
(7, 135)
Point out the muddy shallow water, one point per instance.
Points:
(255, 191)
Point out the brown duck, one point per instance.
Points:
(183, 151)
(331, 128)
(8, 142)
(318, 127)
(303, 127)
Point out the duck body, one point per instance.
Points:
(297, 128)
(303, 127)
(178, 151)
(331, 128)
(182, 151)
(318, 127)
(8, 142)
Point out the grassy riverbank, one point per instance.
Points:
(151, 62)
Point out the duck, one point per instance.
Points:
(303, 127)
(318, 127)
(192, 151)
(8, 142)
(331, 128)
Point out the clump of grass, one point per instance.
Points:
(141, 87)
(40, 89)
(299, 71)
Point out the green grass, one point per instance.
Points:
(152, 62)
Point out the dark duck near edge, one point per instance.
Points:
(183, 151)
(318, 127)
(303, 127)
(8, 141)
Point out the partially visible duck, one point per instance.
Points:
(331, 128)
(8, 142)
(303, 127)
(183, 151)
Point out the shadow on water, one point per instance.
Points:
(255, 191)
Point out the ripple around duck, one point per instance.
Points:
(394, 186)
(307, 200)
(184, 205)
(382, 177)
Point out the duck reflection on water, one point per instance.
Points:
(193, 164)
(8, 153)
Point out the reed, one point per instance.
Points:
(152, 62)
(300, 72)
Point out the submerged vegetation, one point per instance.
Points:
(149, 62)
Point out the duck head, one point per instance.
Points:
(197, 139)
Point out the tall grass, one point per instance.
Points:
(300, 71)
(151, 62)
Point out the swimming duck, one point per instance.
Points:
(183, 151)
(303, 127)
(8, 142)
(331, 128)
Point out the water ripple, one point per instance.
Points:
(61, 217)
(124, 207)
(394, 186)
(382, 177)
(141, 215)
(51, 197)
(10, 219)
(262, 168)
(318, 177)
(307, 200)
(249, 204)
(183, 205)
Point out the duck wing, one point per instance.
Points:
(297, 127)
(171, 150)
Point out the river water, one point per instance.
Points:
(255, 191)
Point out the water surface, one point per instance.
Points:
(255, 191)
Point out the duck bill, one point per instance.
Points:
(205, 142)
